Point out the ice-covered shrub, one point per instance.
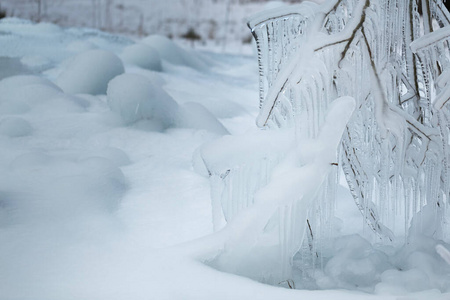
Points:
(142, 56)
(395, 148)
(89, 72)
(135, 98)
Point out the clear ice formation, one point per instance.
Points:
(393, 58)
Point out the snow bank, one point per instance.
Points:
(90, 72)
(142, 56)
(172, 53)
(135, 98)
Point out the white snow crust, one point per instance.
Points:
(100, 196)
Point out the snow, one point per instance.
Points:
(135, 98)
(89, 72)
(196, 116)
(15, 127)
(172, 53)
(142, 56)
(99, 198)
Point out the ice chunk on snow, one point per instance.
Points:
(172, 53)
(142, 56)
(15, 127)
(90, 72)
(195, 115)
(135, 98)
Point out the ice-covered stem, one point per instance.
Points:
(293, 180)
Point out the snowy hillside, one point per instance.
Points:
(103, 194)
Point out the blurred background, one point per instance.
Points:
(219, 24)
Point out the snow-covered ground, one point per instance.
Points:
(99, 198)
(219, 24)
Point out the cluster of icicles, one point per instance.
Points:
(393, 58)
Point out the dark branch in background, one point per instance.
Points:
(359, 26)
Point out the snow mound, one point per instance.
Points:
(142, 56)
(135, 98)
(15, 127)
(172, 53)
(194, 115)
(90, 72)
(19, 93)
(37, 63)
